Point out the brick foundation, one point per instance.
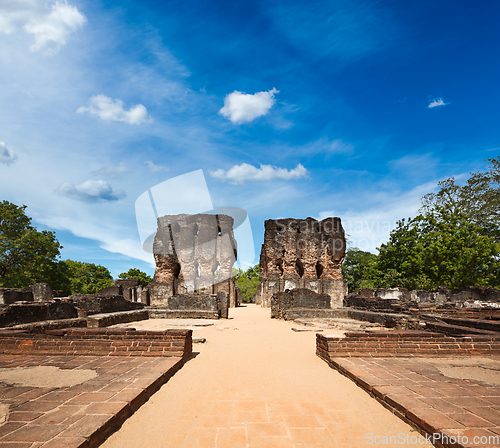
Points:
(404, 344)
(98, 342)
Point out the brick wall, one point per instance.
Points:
(404, 344)
(97, 342)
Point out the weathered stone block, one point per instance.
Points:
(12, 295)
(198, 301)
(297, 298)
(20, 313)
(128, 282)
(115, 290)
(41, 292)
(160, 292)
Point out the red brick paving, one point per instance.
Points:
(80, 416)
(455, 410)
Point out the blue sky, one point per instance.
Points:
(291, 108)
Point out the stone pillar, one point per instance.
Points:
(145, 296)
(223, 301)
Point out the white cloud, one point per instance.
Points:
(241, 107)
(112, 170)
(131, 248)
(370, 227)
(112, 237)
(415, 165)
(340, 147)
(437, 102)
(50, 28)
(112, 110)
(155, 168)
(239, 174)
(7, 156)
(322, 146)
(90, 191)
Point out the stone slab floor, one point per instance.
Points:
(73, 402)
(452, 399)
(256, 383)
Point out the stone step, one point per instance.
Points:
(386, 319)
(449, 329)
(480, 324)
(165, 313)
(121, 317)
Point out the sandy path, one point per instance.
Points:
(256, 383)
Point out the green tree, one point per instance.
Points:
(27, 256)
(478, 198)
(137, 273)
(247, 281)
(359, 269)
(86, 278)
(442, 247)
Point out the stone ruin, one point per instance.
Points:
(194, 256)
(285, 303)
(131, 289)
(302, 253)
(401, 299)
(39, 292)
(65, 309)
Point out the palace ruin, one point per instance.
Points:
(302, 253)
(193, 254)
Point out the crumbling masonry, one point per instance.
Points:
(193, 253)
(302, 253)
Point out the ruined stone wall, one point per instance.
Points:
(132, 289)
(39, 292)
(401, 298)
(301, 298)
(302, 253)
(66, 308)
(12, 295)
(193, 253)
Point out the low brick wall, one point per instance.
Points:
(97, 342)
(404, 344)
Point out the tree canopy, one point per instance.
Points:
(137, 273)
(247, 281)
(454, 241)
(478, 198)
(27, 256)
(441, 247)
(86, 278)
(359, 269)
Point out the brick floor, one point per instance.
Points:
(81, 415)
(416, 391)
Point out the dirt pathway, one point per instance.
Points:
(257, 383)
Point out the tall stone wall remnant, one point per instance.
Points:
(302, 253)
(193, 253)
